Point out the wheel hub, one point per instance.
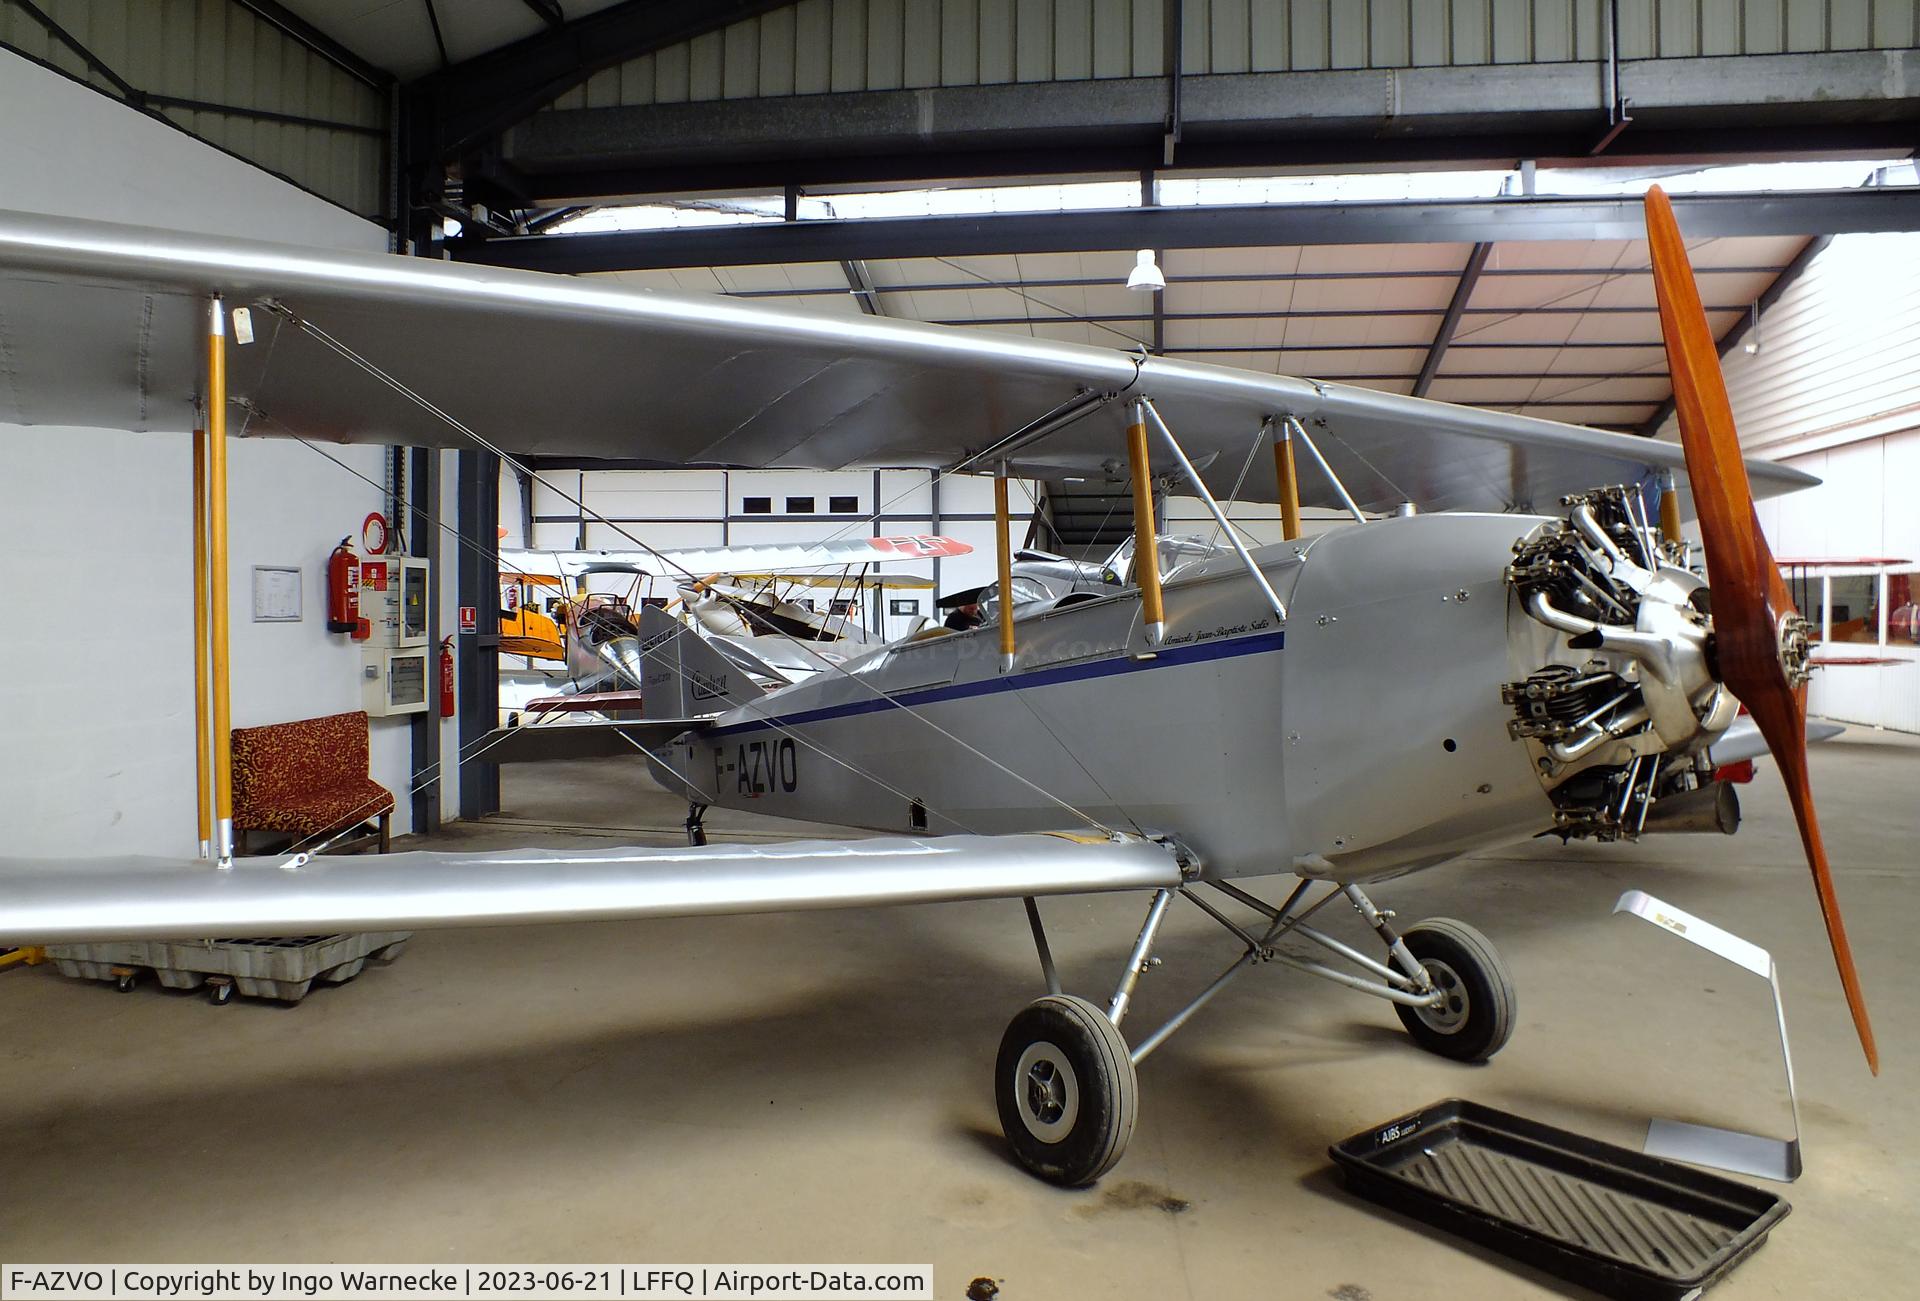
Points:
(1048, 1092)
(1449, 1015)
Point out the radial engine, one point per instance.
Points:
(1623, 699)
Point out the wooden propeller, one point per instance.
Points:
(1759, 638)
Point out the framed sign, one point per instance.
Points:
(276, 594)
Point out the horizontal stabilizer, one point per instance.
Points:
(57, 901)
(542, 742)
(1743, 741)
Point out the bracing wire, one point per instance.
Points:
(347, 353)
(478, 748)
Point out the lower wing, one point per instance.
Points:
(57, 901)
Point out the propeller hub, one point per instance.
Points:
(1796, 648)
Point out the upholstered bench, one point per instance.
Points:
(308, 780)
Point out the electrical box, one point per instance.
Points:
(395, 680)
(393, 599)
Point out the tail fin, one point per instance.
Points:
(683, 676)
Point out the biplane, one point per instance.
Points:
(551, 614)
(1508, 642)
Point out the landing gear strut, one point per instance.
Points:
(1064, 1080)
(696, 824)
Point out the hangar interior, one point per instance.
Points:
(1423, 200)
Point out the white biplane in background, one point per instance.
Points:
(1527, 654)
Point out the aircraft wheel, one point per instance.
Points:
(1478, 1016)
(1066, 1091)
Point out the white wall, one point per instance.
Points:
(1833, 388)
(99, 710)
(707, 508)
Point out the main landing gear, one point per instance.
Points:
(1064, 1079)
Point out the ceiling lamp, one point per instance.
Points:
(1146, 277)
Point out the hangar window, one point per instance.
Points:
(903, 605)
(756, 506)
(843, 505)
(799, 505)
(841, 605)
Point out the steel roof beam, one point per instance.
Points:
(860, 285)
(1236, 278)
(1462, 291)
(1323, 314)
(1449, 221)
(1763, 104)
(317, 41)
(1783, 282)
(463, 105)
(1404, 347)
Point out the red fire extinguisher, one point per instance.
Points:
(446, 677)
(343, 590)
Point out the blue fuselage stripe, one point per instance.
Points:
(1168, 657)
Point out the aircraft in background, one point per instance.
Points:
(1526, 655)
(580, 644)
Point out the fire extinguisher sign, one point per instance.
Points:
(469, 619)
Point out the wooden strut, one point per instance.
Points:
(222, 737)
(202, 761)
(1146, 547)
(1669, 509)
(1003, 555)
(1289, 478)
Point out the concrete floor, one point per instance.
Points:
(815, 1088)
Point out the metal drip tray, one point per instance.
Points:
(1609, 1218)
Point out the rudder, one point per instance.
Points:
(684, 677)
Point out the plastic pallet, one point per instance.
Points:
(283, 968)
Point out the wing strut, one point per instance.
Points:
(222, 737)
(1003, 557)
(1289, 476)
(1346, 498)
(1146, 546)
(202, 757)
(1219, 516)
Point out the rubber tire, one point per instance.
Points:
(1103, 1072)
(1489, 990)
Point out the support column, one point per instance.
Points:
(477, 652)
(202, 758)
(1003, 557)
(423, 539)
(1289, 480)
(1146, 549)
(222, 735)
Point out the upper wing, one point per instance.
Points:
(102, 327)
(52, 901)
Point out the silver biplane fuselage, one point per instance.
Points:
(1362, 738)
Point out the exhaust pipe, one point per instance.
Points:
(1713, 807)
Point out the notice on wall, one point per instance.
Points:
(276, 594)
